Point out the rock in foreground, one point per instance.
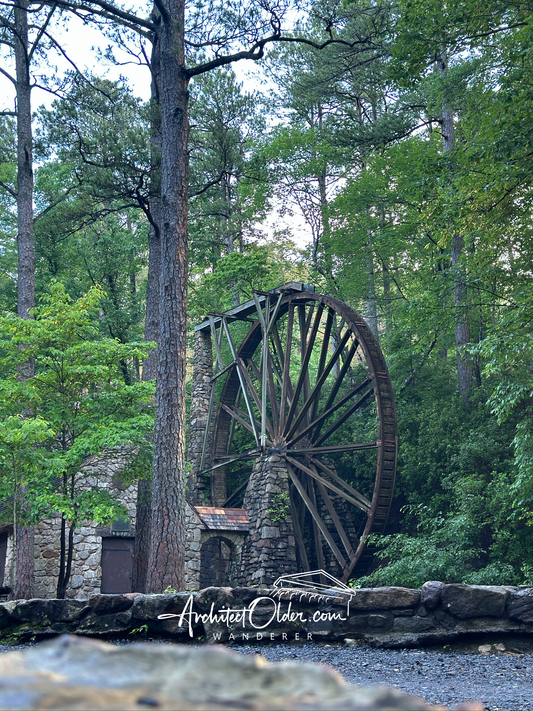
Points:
(80, 673)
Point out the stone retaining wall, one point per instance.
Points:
(386, 617)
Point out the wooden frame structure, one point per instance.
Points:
(308, 383)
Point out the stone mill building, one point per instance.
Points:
(292, 450)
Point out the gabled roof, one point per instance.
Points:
(224, 519)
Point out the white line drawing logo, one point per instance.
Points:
(304, 587)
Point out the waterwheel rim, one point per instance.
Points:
(323, 381)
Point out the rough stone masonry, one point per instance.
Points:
(382, 617)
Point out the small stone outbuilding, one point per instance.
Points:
(103, 555)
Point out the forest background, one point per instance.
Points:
(402, 150)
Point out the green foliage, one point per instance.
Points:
(279, 508)
(143, 629)
(81, 407)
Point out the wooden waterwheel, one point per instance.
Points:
(305, 379)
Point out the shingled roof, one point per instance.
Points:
(224, 519)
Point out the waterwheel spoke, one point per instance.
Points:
(336, 520)
(240, 417)
(314, 475)
(306, 348)
(286, 365)
(242, 373)
(230, 458)
(255, 369)
(342, 419)
(311, 505)
(316, 529)
(315, 394)
(304, 372)
(321, 370)
(278, 352)
(254, 393)
(338, 382)
(333, 475)
(298, 532)
(272, 391)
(335, 448)
(329, 412)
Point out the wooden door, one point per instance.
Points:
(117, 565)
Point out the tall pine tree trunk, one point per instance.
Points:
(151, 327)
(462, 331)
(166, 561)
(26, 253)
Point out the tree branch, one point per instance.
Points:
(41, 32)
(8, 189)
(257, 51)
(162, 10)
(106, 10)
(8, 76)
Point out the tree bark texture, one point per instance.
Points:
(151, 326)
(26, 253)
(26, 247)
(166, 561)
(460, 296)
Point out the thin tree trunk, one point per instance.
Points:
(62, 549)
(15, 538)
(166, 561)
(26, 254)
(324, 236)
(227, 236)
(371, 308)
(462, 331)
(151, 325)
(387, 298)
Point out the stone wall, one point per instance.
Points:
(86, 577)
(386, 617)
(270, 549)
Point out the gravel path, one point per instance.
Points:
(499, 681)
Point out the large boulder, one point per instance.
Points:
(466, 601)
(430, 594)
(520, 605)
(78, 673)
(390, 598)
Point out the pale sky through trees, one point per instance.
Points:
(84, 44)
